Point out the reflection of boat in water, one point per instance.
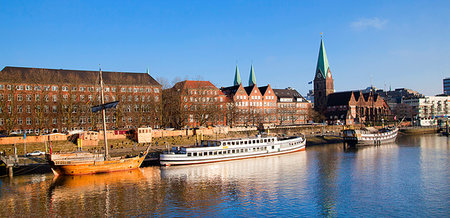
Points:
(370, 136)
(232, 149)
(79, 163)
(236, 170)
(92, 182)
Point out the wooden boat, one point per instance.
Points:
(79, 163)
(370, 136)
(232, 149)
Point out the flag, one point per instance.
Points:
(104, 106)
(310, 82)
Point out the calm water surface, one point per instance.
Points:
(408, 179)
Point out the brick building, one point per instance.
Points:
(292, 108)
(201, 103)
(356, 107)
(37, 100)
(252, 105)
(344, 107)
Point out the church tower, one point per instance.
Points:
(323, 81)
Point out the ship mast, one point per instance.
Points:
(103, 116)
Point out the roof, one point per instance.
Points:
(61, 76)
(237, 76)
(249, 89)
(194, 84)
(339, 98)
(231, 90)
(288, 93)
(322, 61)
(263, 89)
(252, 79)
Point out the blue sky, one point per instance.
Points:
(397, 43)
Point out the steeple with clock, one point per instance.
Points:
(323, 81)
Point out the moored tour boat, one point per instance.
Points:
(370, 136)
(232, 149)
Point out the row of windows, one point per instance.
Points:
(74, 88)
(205, 92)
(204, 99)
(251, 141)
(229, 151)
(54, 98)
(81, 120)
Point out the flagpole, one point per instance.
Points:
(103, 116)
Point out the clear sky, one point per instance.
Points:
(397, 43)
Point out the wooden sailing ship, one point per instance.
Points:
(79, 163)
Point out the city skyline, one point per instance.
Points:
(366, 43)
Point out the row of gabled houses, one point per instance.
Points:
(240, 105)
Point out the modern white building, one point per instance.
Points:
(428, 110)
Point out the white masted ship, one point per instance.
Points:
(370, 136)
(232, 149)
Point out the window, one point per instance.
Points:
(20, 87)
(19, 97)
(54, 109)
(55, 98)
(29, 109)
(82, 89)
(55, 121)
(19, 121)
(28, 121)
(2, 87)
(1, 121)
(106, 89)
(8, 87)
(123, 90)
(28, 97)
(156, 90)
(19, 109)
(74, 89)
(113, 89)
(54, 88)
(156, 98)
(65, 88)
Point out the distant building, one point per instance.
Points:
(426, 111)
(292, 108)
(39, 100)
(446, 82)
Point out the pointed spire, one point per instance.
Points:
(237, 77)
(322, 61)
(252, 79)
(148, 72)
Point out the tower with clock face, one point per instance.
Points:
(323, 81)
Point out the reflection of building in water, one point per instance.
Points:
(213, 184)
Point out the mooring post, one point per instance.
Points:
(10, 171)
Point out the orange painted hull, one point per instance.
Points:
(94, 167)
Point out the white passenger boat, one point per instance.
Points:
(232, 149)
(370, 136)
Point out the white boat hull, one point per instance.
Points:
(277, 148)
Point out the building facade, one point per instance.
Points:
(446, 84)
(353, 107)
(202, 103)
(39, 100)
(292, 108)
(426, 111)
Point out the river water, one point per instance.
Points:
(410, 178)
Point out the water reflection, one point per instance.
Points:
(409, 178)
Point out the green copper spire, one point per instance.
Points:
(322, 62)
(252, 79)
(237, 77)
(148, 71)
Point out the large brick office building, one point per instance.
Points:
(37, 100)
